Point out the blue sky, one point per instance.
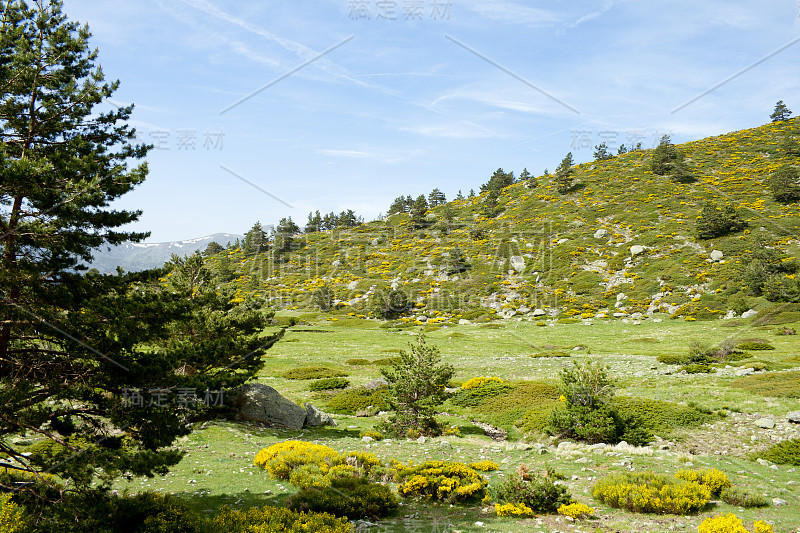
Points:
(413, 95)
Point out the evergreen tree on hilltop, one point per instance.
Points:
(255, 240)
(73, 346)
(602, 153)
(499, 180)
(436, 198)
(314, 222)
(780, 113)
(418, 211)
(564, 173)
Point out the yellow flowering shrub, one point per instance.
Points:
(485, 466)
(646, 492)
(280, 459)
(480, 381)
(12, 516)
(518, 510)
(576, 510)
(730, 523)
(440, 480)
(714, 479)
(276, 520)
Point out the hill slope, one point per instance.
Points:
(622, 241)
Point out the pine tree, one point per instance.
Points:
(601, 152)
(416, 387)
(780, 113)
(418, 211)
(255, 240)
(436, 198)
(314, 222)
(564, 174)
(499, 180)
(72, 346)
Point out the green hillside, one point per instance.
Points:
(622, 241)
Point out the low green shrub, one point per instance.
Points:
(440, 480)
(741, 497)
(755, 346)
(775, 384)
(475, 396)
(696, 368)
(349, 496)
(329, 384)
(782, 453)
(313, 372)
(538, 492)
(658, 416)
(554, 353)
(357, 362)
(385, 361)
(276, 520)
(673, 359)
(646, 492)
(350, 401)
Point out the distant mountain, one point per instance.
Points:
(141, 256)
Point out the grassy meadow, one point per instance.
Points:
(219, 469)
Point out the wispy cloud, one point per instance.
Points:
(372, 155)
(512, 12)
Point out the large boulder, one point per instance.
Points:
(315, 417)
(262, 403)
(518, 263)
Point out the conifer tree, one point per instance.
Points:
(76, 350)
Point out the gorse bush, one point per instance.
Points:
(513, 510)
(474, 383)
(714, 479)
(280, 459)
(576, 510)
(485, 466)
(730, 523)
(12, 516)
(741, 497)
(755, 346)
(440, 480)
(276, 520)
(536, 491)
(646, 492)
(313, 372)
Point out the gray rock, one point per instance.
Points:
(601, 233)
(777, 502)
(422, 318)
(539, 312)
(422, 440)
(765, 423)
(561, 241)
(315, 417)
(463, 322)
(367, 438)
(376, 384)
(717, 255)
(744, 372)
(749, 313)
(517, 263)
(637, 316)
(262, 403)
(637, 249)
(445, 444)
(794, 417)
(763, 462)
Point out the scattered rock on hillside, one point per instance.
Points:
(744, 372)
(262, 403)
(777, 502)
(717, 255)
(749, 313)
(376, 384)
(601, 233)
(794, 417)
(637, 249)
(315, 417)
(766, 423)
(538, 312)
(517, 263)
